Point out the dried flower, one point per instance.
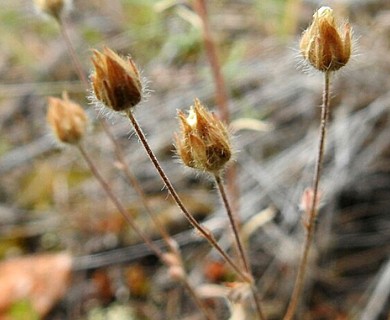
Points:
(53, 8)
(204, 142)
(116, 81)
(67, 119)
(324, 44)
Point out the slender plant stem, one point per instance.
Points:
(138, 231)
(204, 232)
(118, 150)
(72, 52)
(169, 241)
(310, 225)
(256, 300)
(233, 223)
(238, 242)
(221, 96)
(107, 189)
(206, 313)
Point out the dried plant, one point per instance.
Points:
(327, 49)
(67, 119)
(204, 144)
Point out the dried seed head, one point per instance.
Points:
(67, 119)
(53, 8)
(204, 141)
(324, 44)
(116, 81)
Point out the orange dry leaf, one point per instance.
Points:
(102, 283)
(215, 271)
(41, 280)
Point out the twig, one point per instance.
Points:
(310, 225)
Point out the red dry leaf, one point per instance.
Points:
(102, 283)
(42, 280)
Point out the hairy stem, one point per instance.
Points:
(233, 223)
(169, 241)
(238, 242)
(204, 232)
(310, 226)
(117, 149)
(221, 95)
(107, 189)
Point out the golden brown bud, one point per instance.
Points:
(324, 44)
(204, 142)
(116, 81)
(53, 8)
(67, 119)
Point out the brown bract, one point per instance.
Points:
(115, 81)
(324, 44)
(67, 119)
(204, 141)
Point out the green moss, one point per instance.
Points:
(22, 310)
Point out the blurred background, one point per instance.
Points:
(90, 265)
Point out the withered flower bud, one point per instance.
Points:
(67, 119)
(204, 141)
(326, 45)
(53, 8)
(116, 81)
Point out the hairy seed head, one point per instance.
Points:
(116, 81)
(326, 45)
(204, 142)
(67, 119)
(53, 8)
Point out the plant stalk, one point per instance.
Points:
(169, 241)
(221, 96)
(204, 232)
(117, 149)
(233, 223)
(310, 226)
(238, 242)
(72, 53)
(199, 303)
(139, 232)
(107, 189)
